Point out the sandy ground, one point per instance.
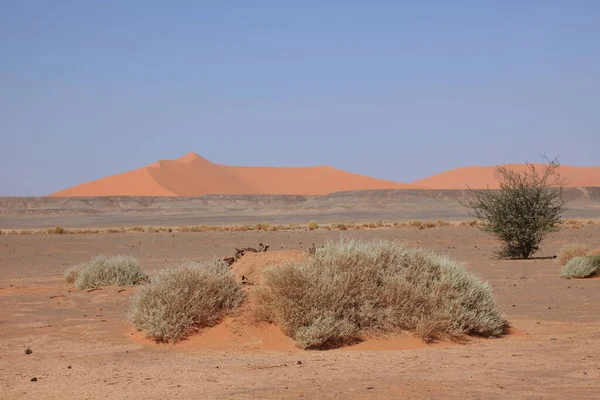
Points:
(83, 346)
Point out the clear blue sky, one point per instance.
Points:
(392, 89)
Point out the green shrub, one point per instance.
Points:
(582, 267)
(569, 251)
(103, 270)
(185, 298)
(526, 208)
(349, 288)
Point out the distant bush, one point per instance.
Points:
(56, 231)
(185, 298)
(103, 270)
(582, 267)
(415, 223)
(312, 225)
(569, 251)
(353, 287)
(262, 227)
(341, 227)
(429, 224)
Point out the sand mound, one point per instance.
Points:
(251, 265)
(192, 175)
(484, 177)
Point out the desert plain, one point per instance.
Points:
(84, 347)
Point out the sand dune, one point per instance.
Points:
(192, 175)
(484, 177)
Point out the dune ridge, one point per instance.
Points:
(477, 177)
(193, 175)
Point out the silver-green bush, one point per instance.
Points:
(185, 298)
(582, 267)
(104, 270)
(353, 287)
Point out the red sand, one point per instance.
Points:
(192, 175)
(484, 177)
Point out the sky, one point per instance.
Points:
(396, 90)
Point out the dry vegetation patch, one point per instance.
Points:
(582, 267)
(570, 251)
(353, 287)
(104, 270)
(180, 300)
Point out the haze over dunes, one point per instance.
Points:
(488, 177)
(192, 175)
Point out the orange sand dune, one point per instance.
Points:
(484, 177)
(192, 175)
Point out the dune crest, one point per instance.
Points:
(193, 175)
(487, 177)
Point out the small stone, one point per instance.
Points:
(298, 362)
(34, 379)
(69, 367)
(370, 387)
(28, 351)
(553, 338)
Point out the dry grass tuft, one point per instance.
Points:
(353, 287)
(56, 231)
(341, 227)
(582, 267)
(312, 225)
(569, 251)
(103, 270)
(180, 300)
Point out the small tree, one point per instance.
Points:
(527, 207)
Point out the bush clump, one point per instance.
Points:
(186, 298)
(354, 287)
(582, 267)
(526, 208)
(104, 270)
(569, 251)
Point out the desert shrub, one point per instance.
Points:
(582, 267)
(179, 300)
(2, 232)
(136, 229)
(341, 227)
(56, 231)
(262, 227)
(353, 287)
(443, 223)
(415, 223)
(428, 224)
(103, 270)
(312, 225)
(526, 208)
(569, 251)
